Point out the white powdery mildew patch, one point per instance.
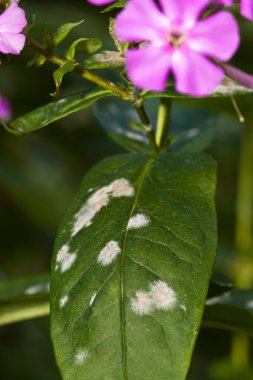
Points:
(34, 289)
(160, 297)
(93, 299)
(63, 301)
(98, 200)
(109, 253)
(163, 297)
(141, 304)
(81, 356)
(183, 307)
(65, 259)
(138, 221)
(249, 304)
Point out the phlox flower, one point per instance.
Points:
(12, 22)
(176, 40)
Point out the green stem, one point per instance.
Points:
(81, 70)
(163, 123)
(243, 271)
(147, 127)
(244, 206)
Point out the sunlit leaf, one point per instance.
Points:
(83, 45)
(66, 67)
(63, 31)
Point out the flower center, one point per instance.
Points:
(176, 39)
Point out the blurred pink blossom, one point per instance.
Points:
(5, 109)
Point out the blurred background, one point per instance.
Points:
(40, 173)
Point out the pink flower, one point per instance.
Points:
(5, 109)
(101, 2)
(12, 22)
(177, 42)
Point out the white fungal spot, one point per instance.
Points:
(138, 221)
(142, 303)
(65, 258)
(93, 299)
(81, 356)
(249, 304)
(183, 307)
(163, 297)
(109, 253)
(160, 297)
(98, 200)
(34, 289)
(63, 301)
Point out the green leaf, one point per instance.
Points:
(62, 32)
(227, 88)
(192, 128)
(66, 67)
(47, 114)
(118, 4)
(105, 60)
(232, 310)
(83, 45)
(131, 268)
(121, 46)
(119, 120)
(24, 298)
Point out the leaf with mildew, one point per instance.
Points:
(131, 267)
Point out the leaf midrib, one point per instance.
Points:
(139, 184)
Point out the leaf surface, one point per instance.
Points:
(131, 268)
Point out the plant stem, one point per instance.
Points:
(243, 270)
(163, 123)
(81, 70)
(147, 127)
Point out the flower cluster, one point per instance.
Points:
(12, 23)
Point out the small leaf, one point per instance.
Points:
(66, 67)
(232, 310)
(131, 268)
(105, 60)
(117, 4)
(47, 114)
(83, 45)
(62, 32)
(24, 298)
(121, 46)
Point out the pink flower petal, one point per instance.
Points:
(12, 20)
(101, 2)
(217, 36)
(194, 74)
(247, 9)
(11, 43)
(148, 67)
(186, 11)
(141, 20)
